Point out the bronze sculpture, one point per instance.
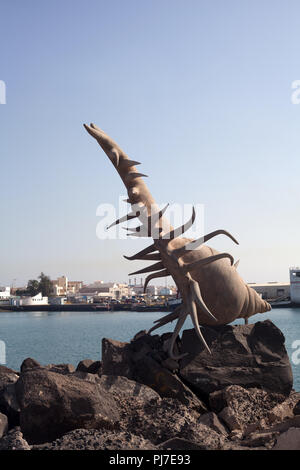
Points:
(212, 291)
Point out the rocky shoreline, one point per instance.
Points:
(239, 398)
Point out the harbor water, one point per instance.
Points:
(69, 337)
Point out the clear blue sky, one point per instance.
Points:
(199, 91)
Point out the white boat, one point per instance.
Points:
(31, 301)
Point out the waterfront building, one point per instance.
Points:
(295, 285)
(272, 290)
(100, 289)
(151, 290)
(119, 291)
(5, 296)
(74, 286)
(137, 289)
(5, 293)
(57, 300)
(165, 291)
(111, 290)
(62, 286)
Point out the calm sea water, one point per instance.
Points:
(69, 337)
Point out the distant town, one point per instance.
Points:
(46, 293)
(63, 291)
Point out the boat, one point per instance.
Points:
(173, 303)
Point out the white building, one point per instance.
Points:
(5, 294)
(295, 285)
(165, 291)
(272, 290)
(109, 289)
(118, 291)
(60, 285)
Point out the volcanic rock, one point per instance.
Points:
(266, 439)
(29, 363)
(289, 440)
(89, 366)
(14, 440)
(252, 356)
(52, 404)
(116, 358)
(246, 407)
(91, 439)
(135, 361)
(64, 369)
(8, 403)
(212, 421)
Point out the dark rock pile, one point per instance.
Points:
(240, 397)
